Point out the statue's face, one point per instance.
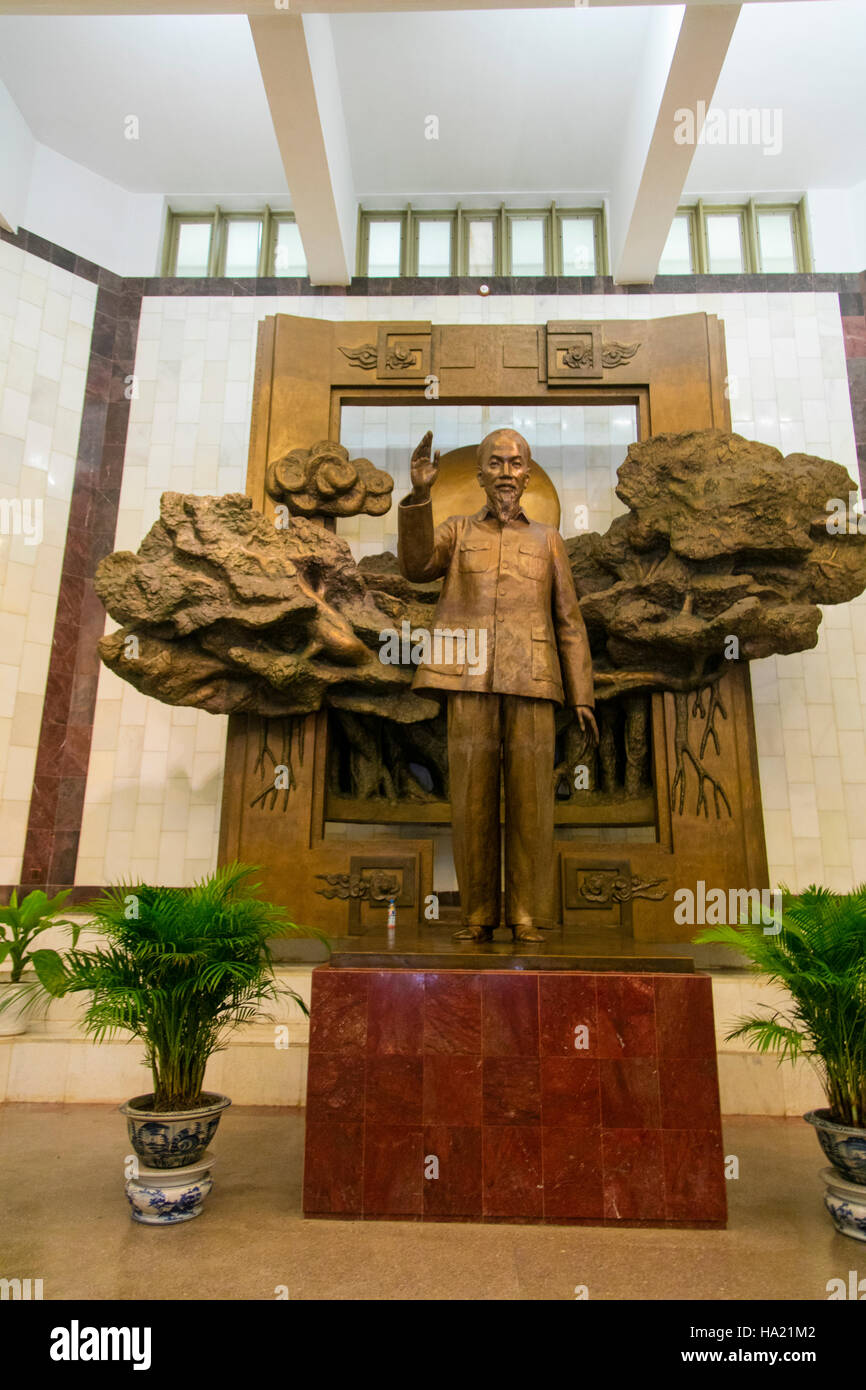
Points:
(503, 472)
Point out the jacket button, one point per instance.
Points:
(500, 617)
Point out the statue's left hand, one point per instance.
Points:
(586, 720)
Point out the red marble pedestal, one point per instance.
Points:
(460, 1096)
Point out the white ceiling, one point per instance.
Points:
(526, 100)
(529, 102)
(809, 61)
(194, 83)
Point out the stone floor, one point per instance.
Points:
(65, 1220)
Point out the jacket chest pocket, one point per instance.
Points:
(532, 563)
(545, 662)
(475, 556)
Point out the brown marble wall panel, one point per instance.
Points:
(512, 1091)
(57, 798)
(573, 1174)
(452, 1013)
(568, 1003)
(396, 1014)
(461, 1096)
(459, 1151)
(571, 1092)
(626, 1016)
(509, 1014)
(452, 1093)
(512, 1173)
(634, 1176)
(393, 1170)
(685, 1018)
(336, 1186)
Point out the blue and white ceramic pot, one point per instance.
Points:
(844, 1145)
(165, 1196)
(172, 1138)
(846, 1203)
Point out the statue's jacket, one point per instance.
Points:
(511, 585)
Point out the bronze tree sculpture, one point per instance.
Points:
(725, 554)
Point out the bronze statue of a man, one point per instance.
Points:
(507, 583)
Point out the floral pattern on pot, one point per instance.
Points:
(843, 1145)
(165, 1140)
(846, 1203)
(849, 1220)
(165, 1206)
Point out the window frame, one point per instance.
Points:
(170, 244)
(691, 219)
(543, 215)
(741, 212)
(501, 219)
(219, 220)
(467, 215)
(274, 221)
(596, 216)
(417, 218)
(795, 212)
(363, 253)
(748, 213)
(225, 221)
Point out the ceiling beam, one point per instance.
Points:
(680, 67)
(267, 7)
(299, 70)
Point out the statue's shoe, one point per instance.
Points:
(473, 934)
(527, 933)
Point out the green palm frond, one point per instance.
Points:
(819, 956)
(769, 1035)
(178, 969)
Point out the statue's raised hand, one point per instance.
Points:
(424, 469)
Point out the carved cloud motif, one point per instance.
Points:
(323, 480)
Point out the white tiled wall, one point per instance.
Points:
(155, 779)
(789, 387)
(810, 714)
(46, 318)
(54, 1062)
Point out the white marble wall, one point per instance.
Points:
(155, 778)
(810, 714)
(46, 318)
(153, 792)
(54, 1062)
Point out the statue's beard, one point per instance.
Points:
(505, 505)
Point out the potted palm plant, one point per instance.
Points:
(179, 969)
(20, 924)
(817, 952)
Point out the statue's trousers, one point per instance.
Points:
(511, 735)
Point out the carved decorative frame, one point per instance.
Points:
(306, 371)
(407, 897)
(576, 911)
